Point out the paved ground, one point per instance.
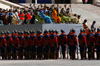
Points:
(59, 62)
(88, 12)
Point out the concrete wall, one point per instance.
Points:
(65, 27)
(21, 27)
(42, 27)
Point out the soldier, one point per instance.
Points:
(2, 45)
(97, 43)
(85, 35)
(93, 42)
(46, 45)
(69, 44)
(63, 41)
(33, 44)
(27, 45)
(57, 51)
(53, 44)
(72, 40)
(21, 45)
(9, 45)
(14, 48)
(39, 43)
(89, 44)
(82, 42)
(50, 32)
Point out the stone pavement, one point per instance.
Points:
(59, 62)
(88, 12)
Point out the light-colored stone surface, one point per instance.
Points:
(50, 63)
(88, 12)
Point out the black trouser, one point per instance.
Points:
(33, 1)
(83, 1)
(90, 2)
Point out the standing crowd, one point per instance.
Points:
(40, 14)
(29, 45)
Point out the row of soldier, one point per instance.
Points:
(29, 45)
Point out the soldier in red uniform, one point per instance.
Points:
(53, 41)
(50, 32)
(72, 41)
(39, 43)
(32, 42)
(89, 44)
(27, 45)
(16, 42)
(15, 45)
(46, 45)
(82, 43)
(63, 41)
(85, 35)
(97, 43)
(69, 46)
(21, 45)
(9, 45)
(2, 45)
(93, 42)
(57, 51)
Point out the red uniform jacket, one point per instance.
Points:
(82, 39)
(9, 40)
(46, 39)
(72, 39)
(53, 41)
(16, 41)
(39, 40)
(2, 41)
(21, 41)
(26, 40)
(63, 39)
(97, 39)
(89, 39)
(32, 40)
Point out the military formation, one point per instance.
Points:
(35, 45)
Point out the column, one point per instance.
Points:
(35, 1)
